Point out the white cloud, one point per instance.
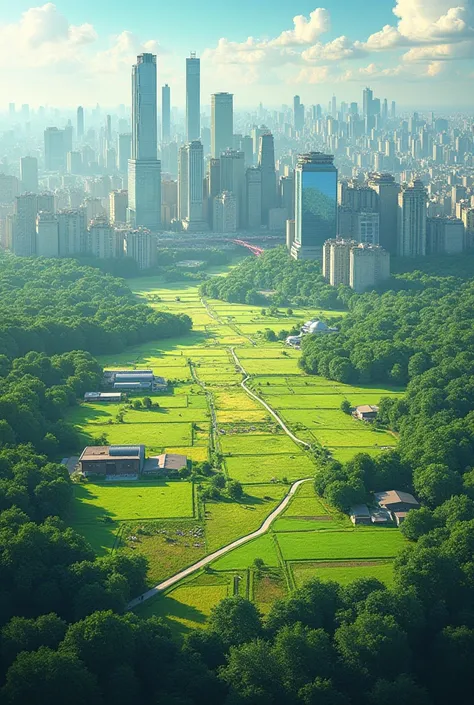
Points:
(305, 31)
(337, 50)
(314, 74)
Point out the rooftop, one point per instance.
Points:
(394, 497)
(94, 453)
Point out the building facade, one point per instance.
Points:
(412, 202)
(193, 98)
(222, 123)
(141, 245)
(225, 213)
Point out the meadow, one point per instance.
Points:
(309, 538)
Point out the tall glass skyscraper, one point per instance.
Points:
(193, 98)
(165, 113)
(222, 123)
(266, 162)
(315, 204)
(144, 169)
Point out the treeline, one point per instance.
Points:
(53, 306)
(300, 283)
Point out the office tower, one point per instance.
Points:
(190, 186)
(9, 188)
(111, 159)
(72, 232)
(45, 202)
(225, 213)
(298, 114)
(266, 162)
(213, 186)
(54, 149)
(412, 220)
(393, 111)
(105, 242)
(290, 234)
(193, 99)
(47, 237)
(23, 234)
(118, 204)
(315, 204)
(253, 182)
(246, 146)
(287, 195)
(74, 163)
(387, 191)
(467, 216)
(80, 123)
(108, 129)
(222, 123)
(124, 151)
(29, 174)
(367, 102)
(232, 178)
(144, 169)
(165, 113)
(141, 245)
(94, 209)
(385, 109)
(169, 201)
(369, 265)
(334, 107)
(444, 236)
(367, 228)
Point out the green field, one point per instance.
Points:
(167, 524)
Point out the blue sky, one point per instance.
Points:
(418, 52)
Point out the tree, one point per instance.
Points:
(322, 692)
(401, 690)
(341, 369)
(269, 335)
(234, 489)
(254, 673)
(137, 404)
(209, 645)
(22, 634)
(147, 402)
(346, 406)
(417, 523)
(303, 654)
(218, 480)
(436, 483)
(52, 677)
(236, 620)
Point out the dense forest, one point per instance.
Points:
(299, 283)
(55, 306)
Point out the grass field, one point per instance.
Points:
(309, 538)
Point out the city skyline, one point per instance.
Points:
(418, 51)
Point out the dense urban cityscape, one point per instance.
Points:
(237, 353)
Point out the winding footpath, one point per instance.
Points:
(244, 539)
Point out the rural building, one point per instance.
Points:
(315, 326)
(294, 341)
(113, 397)
(366, 412)
(399, 517)
(164, 463)
(134, 380)
(380, 516)
(112, 460)
(395, 501)
(360, 514)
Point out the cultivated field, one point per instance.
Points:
(166, 523)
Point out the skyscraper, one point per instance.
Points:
(233, 180)
(47, 237)
(124, 151)
(387, 190)
(141, 246)
(315, 204)
(144, 169)
(367, 100)
(412, 220)
(222, 123)
(54, 149)
(190, 186)
(165, 113)
(266, 162)
(298, 114)
(193, 98)
(29, 174)
(253, 178)
(80, 123)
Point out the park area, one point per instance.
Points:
(205, 410)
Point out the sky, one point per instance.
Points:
(417, 52)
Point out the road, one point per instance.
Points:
(244, 539)
(221, 552)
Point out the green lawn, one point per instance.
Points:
(247, 444)
(131, 500)
(244, 556)
(343, 573)
(265, 468)
(341, 545)
(153, 435)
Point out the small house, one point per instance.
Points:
(366, 412)
(396, 501)
(360, 514)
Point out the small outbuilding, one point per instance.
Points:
(360, 514)
(164, 463)
(366, 412)
(112, 397)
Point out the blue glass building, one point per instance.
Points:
(315, 204)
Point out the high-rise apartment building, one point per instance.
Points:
(253, 180)
(47, 235)
(367, 102)
(74, 162)
(232, 180)
(387, 190)
(444, 236)
(9, 188)
(23, 225)
(298, 114)
(72, 232)
(193, 98)
(118, 204)
(105, 242)
(367, 228)
(412, 202)
(266, 162)
(190, 186)
(80, 123)
(165, 113)
(467, 216)
(353, 264)
(225, 213)
(54, 149)
(141, 245)
(29, 174)
(144, 169)
(222, 123)
(45, 202)
(315, 204)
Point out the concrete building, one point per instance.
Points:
(225, 213)
(112, 460)
(315, 204)
(47, 235)
(444, 235)
(29, 174)
(141, 245)
(22, 238)
(165, 113)
(118, 204)
(45, 201)
(144, 169)
(190, 186)
(9, 188)
(72, 232)
(105, 242)
(298, 114)
(124, 151)
(467, 217)
(369, 265)
(80, 123)
(222, 123)
(266, 162)
(387, 190)
(290, 234)
(287, 194)
(336, 261)
(54, 149)
(412, 202)
(232, 180)
(277, 218)
(253, 181)
(74, 163)
(367, 228)
(193, 98)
